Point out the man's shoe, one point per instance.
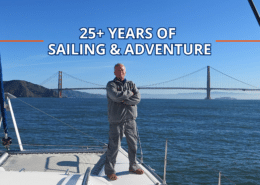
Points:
(138, 171)
(112, 177)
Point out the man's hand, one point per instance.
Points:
(123, 101)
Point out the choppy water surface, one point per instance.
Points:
(205, 137)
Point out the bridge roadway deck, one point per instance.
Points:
(156, 88)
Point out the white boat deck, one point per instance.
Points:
(68, 169)
(60, 162)
(125, 177)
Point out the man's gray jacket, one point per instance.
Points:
(122, 104)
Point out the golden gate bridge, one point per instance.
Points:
(208, 88)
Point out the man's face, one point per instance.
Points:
(120, 72)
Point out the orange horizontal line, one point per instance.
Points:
(21, 40)
(237, 40)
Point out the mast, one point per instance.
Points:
(2, 102)
(6, 140)
(255, 11)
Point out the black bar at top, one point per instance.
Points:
(255, 11)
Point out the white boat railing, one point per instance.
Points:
(15, 124)
(9, 107)
(219, 179)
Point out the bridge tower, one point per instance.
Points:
(60, 84)
(208, 83)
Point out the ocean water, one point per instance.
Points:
(204, 137)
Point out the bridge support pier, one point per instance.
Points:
(208, 83)
(60, 85)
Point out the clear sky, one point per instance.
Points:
(196, 21)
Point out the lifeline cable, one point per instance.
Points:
(83, 132)
(185, 177)
(204, 163)
(80, 146)
(63, 123)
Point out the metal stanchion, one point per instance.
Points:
(165, 163)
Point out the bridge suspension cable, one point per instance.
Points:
(175, 78)
(82, 80)
(48, 79)
(234, 78)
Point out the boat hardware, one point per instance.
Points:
(67, 172)
(7, 108)
(151, 168)
(22, 170)
(219, 179)
(71, 179)
(165, 163)
(86, 176)
(3, 158)
(14, 123)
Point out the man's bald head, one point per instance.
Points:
(120, 71)
(118, 64)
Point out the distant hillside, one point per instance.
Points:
(20, 88)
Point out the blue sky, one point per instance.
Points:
(196, 21)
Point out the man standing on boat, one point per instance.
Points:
(123, 97)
